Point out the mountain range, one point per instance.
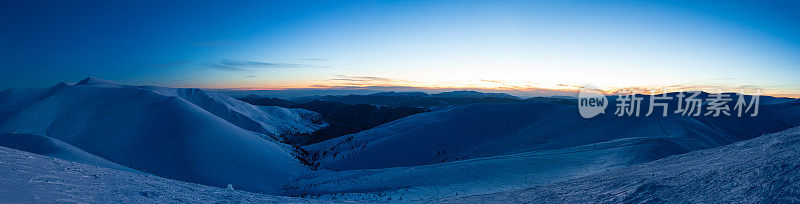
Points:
(492, 149)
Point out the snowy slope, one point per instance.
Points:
(152, 130)
(481, 130)
(47, 146)
(482, 175)
(31, 178)
(765, 169)
(485, 148)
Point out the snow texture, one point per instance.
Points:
(47, 146)
(482, 175)
(762, 170)
(31, 178)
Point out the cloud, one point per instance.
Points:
(362, 87)
(251, 76)
(364, 81)
(361, 79)
(493, 81)
(245, 65)
(314, 59)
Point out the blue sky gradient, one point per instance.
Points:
(520, 45)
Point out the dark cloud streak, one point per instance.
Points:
(245, 65)
(362, 79)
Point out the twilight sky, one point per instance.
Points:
(414, 45)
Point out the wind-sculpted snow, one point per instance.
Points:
(761, 170)
(150, 130)
(30, 178)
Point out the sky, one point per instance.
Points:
(511, 46)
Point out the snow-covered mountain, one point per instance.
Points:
(183, 134)
(485, 148)
(761, 170)
(342, 119)
(482, 130)
(491, 149)
(270, 120)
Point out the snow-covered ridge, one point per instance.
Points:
(760, 170)
(485, 148)
(482, 175)
(183, 134)
(270, 120)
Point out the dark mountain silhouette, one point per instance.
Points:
(347, 119)
(417, 99)
(342, 118)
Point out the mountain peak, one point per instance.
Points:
(407, 94)
(97, 82)
(472, 94)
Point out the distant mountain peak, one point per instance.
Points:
(406, 94)
(472, 94)
(97, 82)
(252, 96)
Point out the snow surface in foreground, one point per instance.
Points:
(765, 169)
(31, 178)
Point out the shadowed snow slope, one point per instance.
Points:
(184, 134)
(52, 147)
(30, 178)
(765, 169)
